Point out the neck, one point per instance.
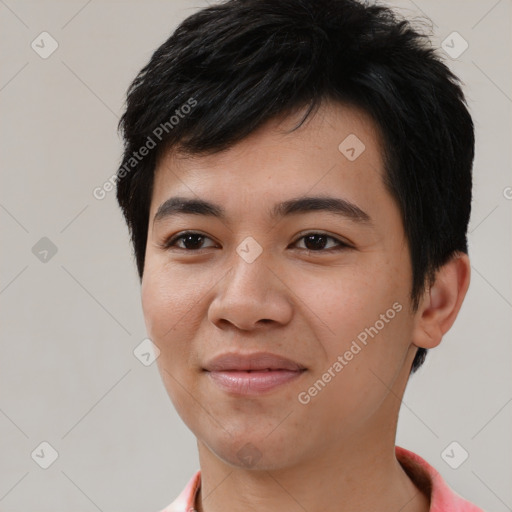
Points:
(356, 475)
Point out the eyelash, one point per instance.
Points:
(170, 242)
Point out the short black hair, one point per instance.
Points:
(232, 66)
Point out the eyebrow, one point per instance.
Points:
(300, 205)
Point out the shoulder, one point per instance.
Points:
(429, 480)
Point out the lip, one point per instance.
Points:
(233, 361)
(252, 374)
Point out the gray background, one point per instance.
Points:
(68, 374)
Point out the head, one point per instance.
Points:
(255, 103)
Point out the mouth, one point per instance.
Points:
(257, 361)
(252, 374)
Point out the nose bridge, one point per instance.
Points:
(247, 276)
(250, 292)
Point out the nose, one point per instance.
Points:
(251, 296)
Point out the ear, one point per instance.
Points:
(441, 303)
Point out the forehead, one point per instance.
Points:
(337, 150)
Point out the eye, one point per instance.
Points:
(189, 240)
(313, 242)
(317, 242)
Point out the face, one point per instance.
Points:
(259, 275)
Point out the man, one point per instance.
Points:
(297, 184)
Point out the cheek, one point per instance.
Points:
(345, 301)
(362, 318)
(169, 310)
(171, 301)
(358, 376)
(172, 308)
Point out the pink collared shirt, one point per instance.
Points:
(442, 497)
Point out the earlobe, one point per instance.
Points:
(441, 302)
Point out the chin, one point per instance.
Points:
(256, 452)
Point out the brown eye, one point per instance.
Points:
(319, 242)
(188, 241)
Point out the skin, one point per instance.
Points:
(337, 451)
